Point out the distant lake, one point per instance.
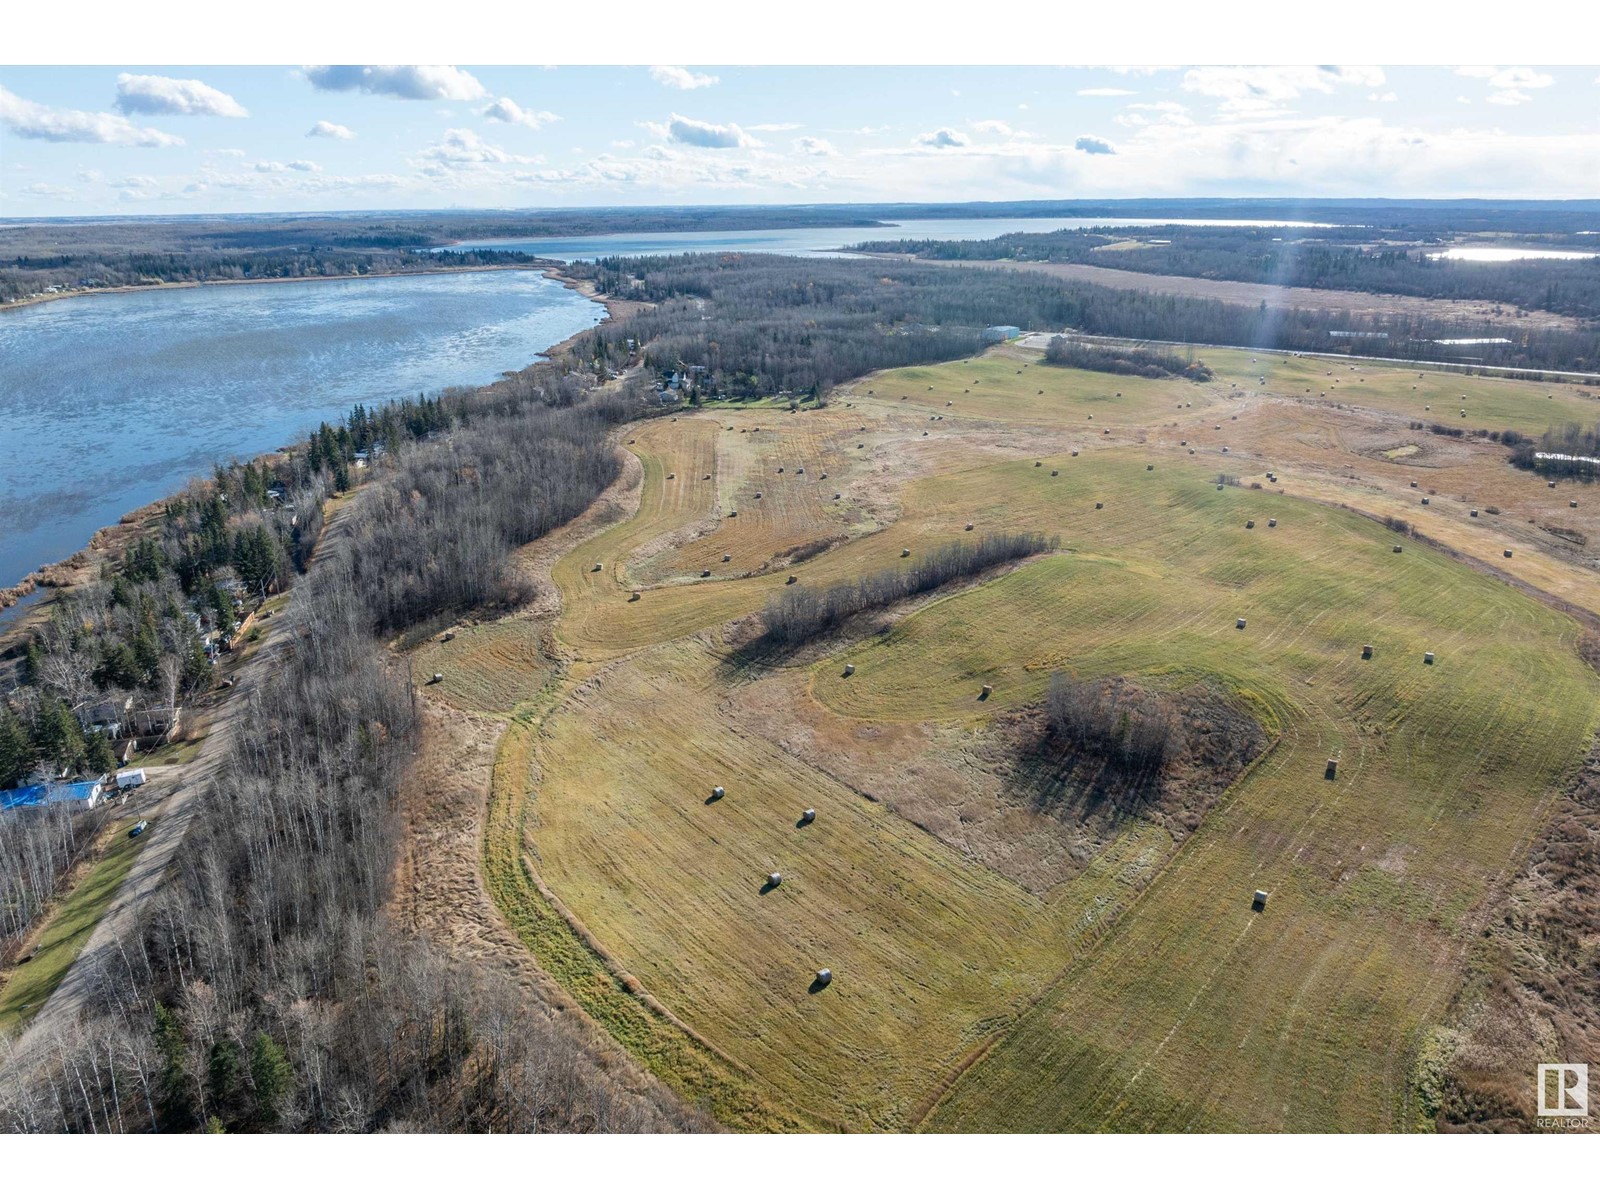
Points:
(823, 241)
(110, 402)
(1500, 254)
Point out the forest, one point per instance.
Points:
(817, 322)
(1360, 259)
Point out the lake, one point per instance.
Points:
(110, 402)
(822, 241)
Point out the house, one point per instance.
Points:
(107, 717)
(159, 720)
(1000, 333)
(85, 794)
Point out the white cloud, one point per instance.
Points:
(175, 97)
(406, 83)
(1105, 91)
(327, 129)
(1257, 89)
(30, 120)
(141, 182)
(1002, 128)
(48, 191)
(1383, 98)
(1510, 98)
(689, 132)
(942, 139)
(818, 147)
(778, 127)
(304, 164)
(1506, 78)
(508, 110)
(1094, 145)
(680, 78)
(460, 147)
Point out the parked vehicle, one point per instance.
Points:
(138, 829)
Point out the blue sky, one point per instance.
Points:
(159, 140)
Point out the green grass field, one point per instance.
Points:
(1142, 993)
(31, 983)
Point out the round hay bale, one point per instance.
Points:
(1099, 504)
(799, 470)
(1508, 554)
(1074, 454)
(1272, 522)
(1427, 657)
(824, 977)
(1425, 500)
(1239, 624)
(438, 677)
(791, 579)
(633, 597)
(727, 558)
(1398, 548)
(1572, 504)
(774, 878)
(705, 574)
(1055, 472)
(717, 793)
(1473, 513)
(905, 553)
(1037, 463)
(597, 567)
(758, 495)
(988, 690)
(969, 526)
(861, 445)
(705, 477)
(838, 495)
(809, 815)
(849, 670)
(1366, 652)
(1249, 524)
(1149, 466)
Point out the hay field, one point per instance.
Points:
(1142, 992)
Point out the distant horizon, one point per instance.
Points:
(864, 206)
(104, 141)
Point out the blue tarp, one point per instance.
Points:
(39, 794)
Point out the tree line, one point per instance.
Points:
(1124, 360)
(1321, 258)
(798, 614)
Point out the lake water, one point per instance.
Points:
(110, 402)
(822, 241)
(1500, 254)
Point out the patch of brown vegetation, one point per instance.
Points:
(1532, 994)
(1030, 809)
(438, 893)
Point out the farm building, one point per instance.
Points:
(42, 795)
(1000, 333)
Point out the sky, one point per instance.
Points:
(109, 140)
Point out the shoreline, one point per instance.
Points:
(10, 305)
(107, 541)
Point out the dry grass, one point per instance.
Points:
(978, 986)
